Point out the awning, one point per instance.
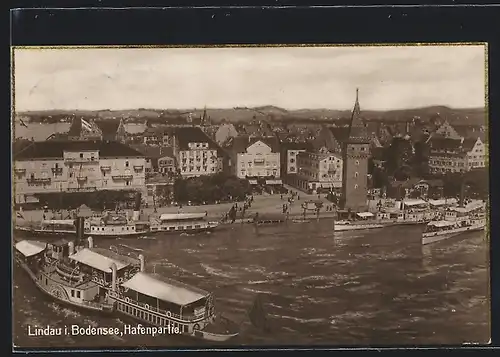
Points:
(441, 223)
(96, 260)
(252, 182)
(364, 214)
(163, 289)
(28, 248)
(179, 216)
(274, 182)
(414, 202)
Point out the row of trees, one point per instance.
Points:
(98, 200)
(219, 187)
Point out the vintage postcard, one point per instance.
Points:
(250, 196)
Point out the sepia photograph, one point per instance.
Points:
(247, 196)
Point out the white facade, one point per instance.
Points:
(319, 170)
(258, 161)
(81, 171)
(198, 160)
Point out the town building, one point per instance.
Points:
(255, 157)
(415, 188)
(456, 155)
(288, 156)
(355, 155)
(195, 153)
(159, 159)
(76, 166)
(104, 129)
(320, 167)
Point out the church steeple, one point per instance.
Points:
(357, 129)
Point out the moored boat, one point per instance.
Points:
(182, 223)
(51, 228)
(457, 220)
(119, 225)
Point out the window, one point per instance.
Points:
(356, 174)
(78, 294)
(357, 162)
(355, 186)
(81, 155)
(126, 164)
(72, 293)
(292, 160)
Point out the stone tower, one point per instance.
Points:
(355, 154)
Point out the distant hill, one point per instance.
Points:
(454, 115)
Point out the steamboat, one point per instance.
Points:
(182, 223)
(51, 228)
(103, 281)
(457, 220)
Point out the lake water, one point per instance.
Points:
(377, 287)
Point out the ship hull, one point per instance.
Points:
(428, 238)
(41, 233)
(356, 227)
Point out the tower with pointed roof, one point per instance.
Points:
(355, 154)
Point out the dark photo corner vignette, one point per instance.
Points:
(298, 26)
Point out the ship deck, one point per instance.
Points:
(51, 272)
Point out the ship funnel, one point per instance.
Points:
(135, 216)
(91, 242)
(113, 276)
(141, 259)
(71, 248)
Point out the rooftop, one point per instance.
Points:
(55, 149)
(29, 248)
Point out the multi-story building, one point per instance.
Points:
(318, 170)
(159, 136)
(456, 155)
(288, 156)
(196, 154)
(76, 166)
(255, 157)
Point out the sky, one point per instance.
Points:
(388, 77)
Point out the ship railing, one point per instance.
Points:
(95, 304)
(165, 313)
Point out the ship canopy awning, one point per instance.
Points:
(179, 216)
(252, 182)
(29, 248)
(164, 289)
(69, 222)
(441, 223)
(415, 202)
(365, 214)
(97, 261)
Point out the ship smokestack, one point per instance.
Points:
(135, 215)
(141, 259)
(71, 248)
(91, 242)
(113, 276)
(137, 206)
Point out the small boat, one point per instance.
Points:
(341, 226)
(457, 220)
(182, 223)
(77, 277)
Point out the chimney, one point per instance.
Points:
(71, 248)
(141, 259)
(113, 277)
(91, 242)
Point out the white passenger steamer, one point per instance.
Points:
(79, 278)
(457, 220)
(183, 223)
(51, 228)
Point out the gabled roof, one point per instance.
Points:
(326, 139)
(304, 145)
(164, 289)
(188, 135)
(154, 152)
(109, 127)
(240, 144)
(357, 128)
(55, 149)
